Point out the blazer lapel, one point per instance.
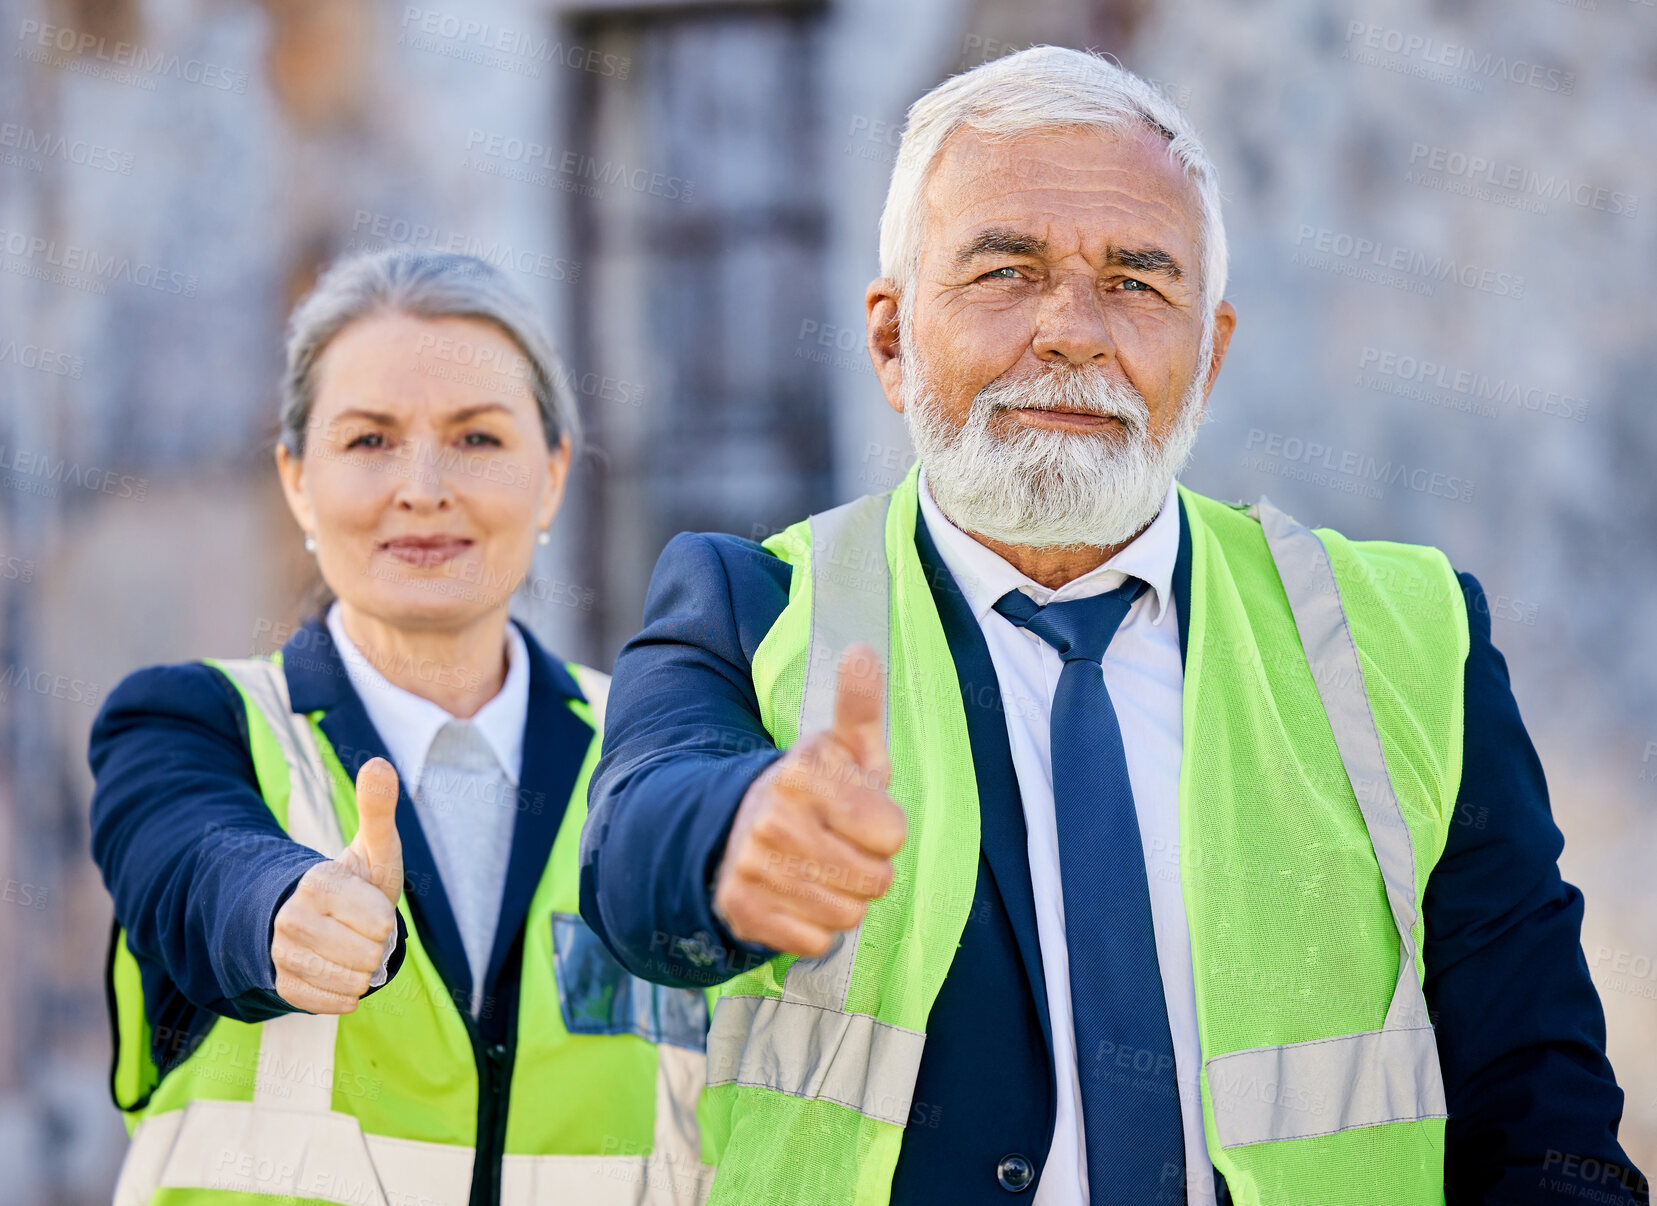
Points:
(555, 746)
(1182, 581)
(317, 679)
(1000, 804)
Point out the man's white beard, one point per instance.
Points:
(1043, 488)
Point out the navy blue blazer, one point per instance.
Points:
(1521, 1035)
(198, 866)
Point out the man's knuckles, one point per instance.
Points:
(784, 931)
(843, 913)
(812, 902)
(813, 944)
(777, 825)
(771, 891)
(784, 844)
(874, 882)
(854, 876)
(821, 762)
(872, 820)
(747, 914)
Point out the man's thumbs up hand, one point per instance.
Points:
(330, 934)
(813, 839)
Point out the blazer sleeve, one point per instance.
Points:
(1533, 1103)
(682, 742)
(194, 860)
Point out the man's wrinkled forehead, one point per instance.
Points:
(1057, 182)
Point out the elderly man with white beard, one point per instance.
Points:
(1050, 828)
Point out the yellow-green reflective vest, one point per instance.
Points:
(379, 1107)
(1321, 759)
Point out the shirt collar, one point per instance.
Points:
(408, 723)
(985, 576)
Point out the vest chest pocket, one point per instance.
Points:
(597, 995)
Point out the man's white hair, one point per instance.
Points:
(1039, 89)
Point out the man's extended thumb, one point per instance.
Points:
(860, 708)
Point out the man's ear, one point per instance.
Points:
(1225, 323)
(880, 316)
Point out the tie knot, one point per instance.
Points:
(1079, 629)
(460, 745)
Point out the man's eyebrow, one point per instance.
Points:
(1145, 259)
(1011, 242)
(1000, 242)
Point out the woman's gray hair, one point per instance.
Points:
(1042, 88)
(422, 284)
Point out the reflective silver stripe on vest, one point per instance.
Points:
(294, 1045)
(236, 1146)
(851, 593)
(847, 1058)
(1324, 1086)
(671, 1175)
(804, 1043)
(850, 599)
(311, 817)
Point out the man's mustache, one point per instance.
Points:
(1082, 389)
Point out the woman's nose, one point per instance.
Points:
(425, 479)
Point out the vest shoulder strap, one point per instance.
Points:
(295, 1040)
(1378, 1076)
(850, 600)
(595, 685)
(311, 818)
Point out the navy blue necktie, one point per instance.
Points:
(1124, 1049)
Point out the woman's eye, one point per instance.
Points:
(362, 441)
(481, 439)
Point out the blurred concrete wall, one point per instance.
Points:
(1442, 235)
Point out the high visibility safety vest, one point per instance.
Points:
(380, 1107)
(1321, 760)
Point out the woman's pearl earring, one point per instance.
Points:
(543, 536)
(310, 543)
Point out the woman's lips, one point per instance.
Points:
(425, 551)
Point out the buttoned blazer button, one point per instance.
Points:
(1015, 1172)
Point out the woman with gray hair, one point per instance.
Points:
(347, 963)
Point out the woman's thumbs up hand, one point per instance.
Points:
(330, 934)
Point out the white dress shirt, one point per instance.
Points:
(1145, 678)
(462, 776)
